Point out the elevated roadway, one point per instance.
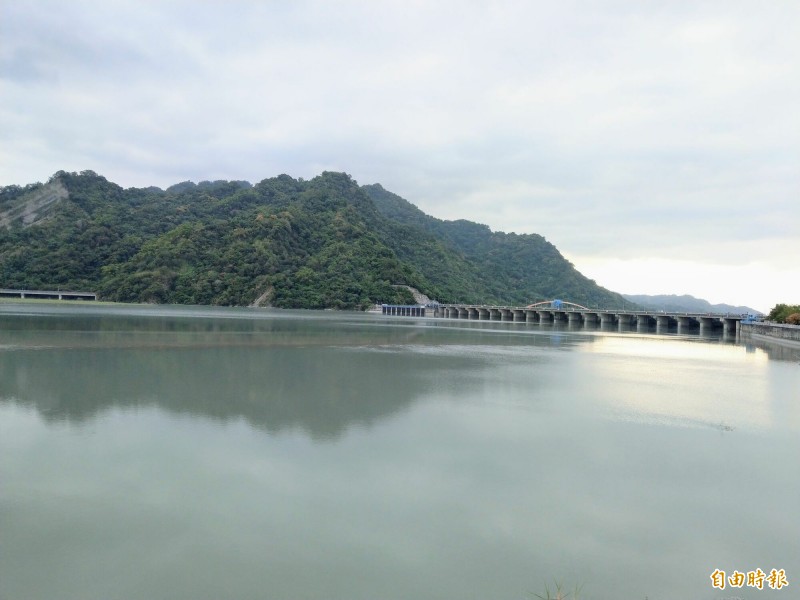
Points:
(47, 294)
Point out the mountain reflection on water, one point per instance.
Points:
(180, 452)
(320, 375)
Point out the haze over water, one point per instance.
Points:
(171, 452)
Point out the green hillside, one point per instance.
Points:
(509, 268)
(322, 243)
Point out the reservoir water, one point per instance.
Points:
(197, 453)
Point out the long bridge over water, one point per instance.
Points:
(557, 311)
(47, 294)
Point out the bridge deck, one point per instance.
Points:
(47, 294)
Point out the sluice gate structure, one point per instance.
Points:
(623, 320)
(404, 310)
(575, 316)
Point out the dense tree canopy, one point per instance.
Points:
(785, 313)
(323, 243)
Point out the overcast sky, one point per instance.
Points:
(656, 144)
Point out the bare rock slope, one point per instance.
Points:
(35, 205)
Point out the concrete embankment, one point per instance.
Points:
(785, 334)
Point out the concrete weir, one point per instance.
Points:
(608, 319)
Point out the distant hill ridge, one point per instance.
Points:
(685, 303)
(322, 243)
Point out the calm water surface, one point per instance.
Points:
(186, 453)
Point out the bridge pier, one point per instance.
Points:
(708, 324)
(624, 321)
(686, 324)
(483, 314)
(643, 322)
(545, 316)
(730, 325)
(531, 316)
(607, 319)
(662, 323)
(494, 314)
(590, 320)
(574, 318)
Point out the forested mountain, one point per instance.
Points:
(509, 267)
(322, 243)
(686, 303)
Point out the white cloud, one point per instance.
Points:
(755, 284)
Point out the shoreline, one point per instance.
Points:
(787, 335)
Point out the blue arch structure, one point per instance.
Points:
(556, 304)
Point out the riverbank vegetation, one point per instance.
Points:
(322, 243)
(785, 313)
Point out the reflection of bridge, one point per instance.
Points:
(566, 312)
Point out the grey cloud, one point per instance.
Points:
(613, 129)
